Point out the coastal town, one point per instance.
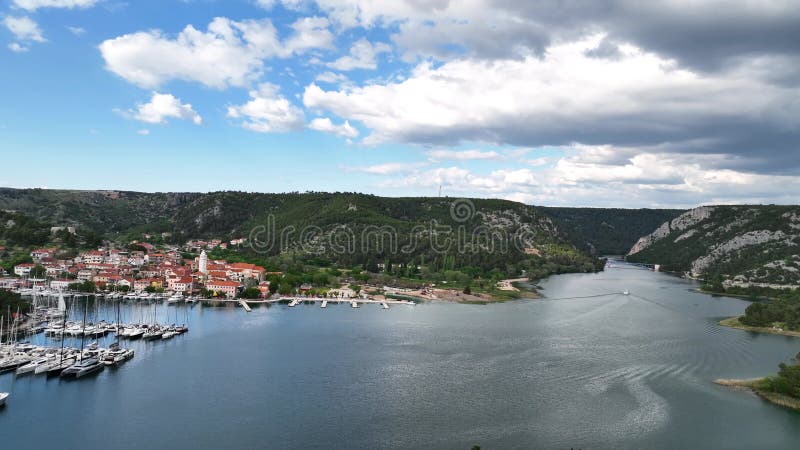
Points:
(147, 269)
(142, 270)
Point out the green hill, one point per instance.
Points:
(609, 231)
(736, 246)
(345, 228)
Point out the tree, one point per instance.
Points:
(285, 289)
(356, 288)
(251, 292)
(468, 290)
(38, 271)
(12, 301)
(85, 286)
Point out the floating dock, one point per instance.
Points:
(245, 305)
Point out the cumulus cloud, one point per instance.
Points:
(330, 77)
(33, 5)
(325, 124)
(363, 55)
(387, 168)
(655, 180)
(24, 28)
(162, 107)
(462, 155)
(706, 35)
(228, 53)
(566, 97)
(309, 33)
(268, 111)
(17, 48)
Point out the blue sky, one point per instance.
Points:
(546, 102)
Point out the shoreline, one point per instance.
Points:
(476, 298)
(727, 294)
(752, 386)
(733, 322)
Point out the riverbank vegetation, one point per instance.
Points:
(779, 313)
(782, 389)
(289, 272)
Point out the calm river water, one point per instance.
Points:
(605, 372)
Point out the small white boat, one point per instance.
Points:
(354, 304)
(169, 334)
(116, 356)
(3, 397)
(324, 304)
(626, 292)
(384, 305)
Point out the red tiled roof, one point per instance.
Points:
(222, 283)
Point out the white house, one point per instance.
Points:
(61, 285)
(23, 270)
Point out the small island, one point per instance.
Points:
(782, 389)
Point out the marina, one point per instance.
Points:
(37, 345)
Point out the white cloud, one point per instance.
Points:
(332, 78)
(463, 155)
(77, 31)
(266, 4)
(309, 33)
(162, 107)
(33, 5)
(583, 178)
(143, 132)
(362, 55)
(16, 48)
(536, 162)
(268, 111)
(24, 28)
(563, 97)
(229, 53)
(387, 168)
(324, 124)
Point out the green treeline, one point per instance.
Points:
(782, 311)
(786, 382)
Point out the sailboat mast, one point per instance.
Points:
(63, 336)
(83, 334)
(118, 321)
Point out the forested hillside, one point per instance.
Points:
(609, 231)
(345, 228)
(734, 246)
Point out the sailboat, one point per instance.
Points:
(84, 366)
(12, 360)
(31, 366)
(56, 367)
(115, 354)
